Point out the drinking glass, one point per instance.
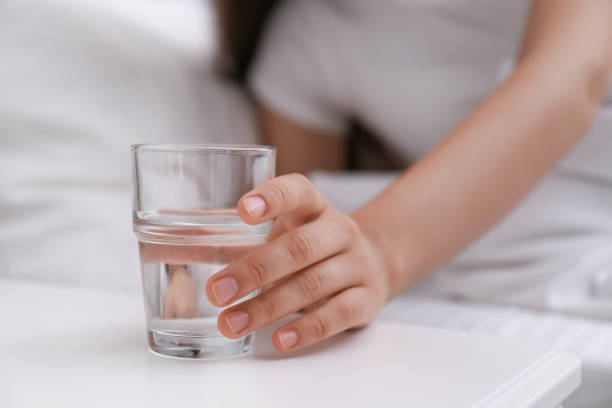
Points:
(185, 219)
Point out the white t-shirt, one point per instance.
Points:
(410, 70)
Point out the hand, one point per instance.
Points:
(181, 300)
(317, 259)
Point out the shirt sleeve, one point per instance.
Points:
(295, 71)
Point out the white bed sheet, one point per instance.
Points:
(80, 81)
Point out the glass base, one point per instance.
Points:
(181, 344)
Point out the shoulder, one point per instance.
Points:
(311, 18)
(315, 33)
(298, 67)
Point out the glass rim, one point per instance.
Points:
(203, 148)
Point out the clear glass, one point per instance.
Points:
(185, 219)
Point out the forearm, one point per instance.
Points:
(482, 170)
(300, 149)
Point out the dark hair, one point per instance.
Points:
(240, 24)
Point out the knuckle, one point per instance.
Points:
(266, 307)
(302, 180)
(257, 273)
(309, 190)
(348, 312)
(351, 228)
(300, 246)
(280, 193)
(362, 258)
(319, 328)
(310, 284)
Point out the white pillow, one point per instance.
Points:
(79, 85)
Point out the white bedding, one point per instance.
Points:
(81, 80)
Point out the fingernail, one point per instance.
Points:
(255, 206)
(224, 289)
(237, 321)
(288, 338)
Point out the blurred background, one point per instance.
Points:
(81, 80)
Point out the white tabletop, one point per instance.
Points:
(70, 347)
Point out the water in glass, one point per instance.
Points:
(179, 251)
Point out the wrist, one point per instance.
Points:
(387, 263)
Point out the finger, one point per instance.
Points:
(315, 305)
(169, 311)
(303, 289)
(292, 195)
(187, 254)
(346, 310)
(290, 253)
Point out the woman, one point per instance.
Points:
(487, 99)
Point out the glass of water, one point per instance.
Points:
(185, 218)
